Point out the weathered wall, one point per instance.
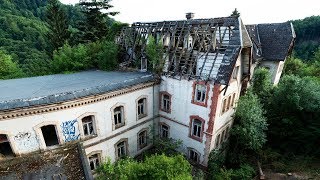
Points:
(26, 134)
(275, 69)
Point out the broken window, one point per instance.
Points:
(229, 101)
(142, 108)
(88, 126)
(50, 135)
(94, 161)
(193, 156)
(165, 103)
(121, 149)
(118, 117)
(164, 131)
(5, 147)
(196, 128)
(200, 93)
(142, 139)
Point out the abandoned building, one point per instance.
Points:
(207, 64)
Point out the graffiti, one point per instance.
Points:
(22, 135)
(26, 142)
(69, 131)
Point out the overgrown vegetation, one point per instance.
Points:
(157, 167)
(44, 37)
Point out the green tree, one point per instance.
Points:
(97, 23)
(235, 13)
(154, 51)
(261, 85)
(58, 25)
(248, 134)
(157, 167)
(8, 68)
(294, 116)
(71, 59)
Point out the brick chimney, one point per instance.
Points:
(189, 15)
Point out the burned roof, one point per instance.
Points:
(205, 49)
(272, 41)
(67, 162)
(42, 90)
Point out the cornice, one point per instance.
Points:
(41, 109)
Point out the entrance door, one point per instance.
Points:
(50, 135)
(5, 147)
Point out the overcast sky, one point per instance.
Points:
(252, 11)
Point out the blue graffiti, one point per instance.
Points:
(69, 131)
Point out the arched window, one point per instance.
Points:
(88, 125)
(118, 117)
(193, 155)
(49, 134)
(121, 148)
(164, 131)
(5, 146)
(142, 108)
(142, 139)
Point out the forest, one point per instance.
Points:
(277, 126)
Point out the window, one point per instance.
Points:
(118, 117)
(164, 131)
(142, 139)
(165, 102)
(121, 149)
(5, 147)
(217, 141)
(227, 133)
(233, 98)
(193, 156)
(88, 126)
(235, 72)
(224, 105)
(142, 105)
(229, 101)
(200, 95)
(94, 161)
(196, 128)
(222, 136)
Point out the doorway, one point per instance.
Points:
(50, 135)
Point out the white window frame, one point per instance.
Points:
(166, 130)
(192, 153)
(202, 91)
(87, 124)
(142, 139)
(166, 102)
(198, 127)
(95, 161)
(116, 114)
(142, 106)
(121, 149)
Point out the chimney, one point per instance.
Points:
(189, 15)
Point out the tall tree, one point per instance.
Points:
(58, 25)
(97, 21)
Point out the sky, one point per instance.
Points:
(251, 11)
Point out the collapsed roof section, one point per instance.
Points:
(272, 42)
(205, 49)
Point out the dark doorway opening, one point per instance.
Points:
(50, 135)
(5, 147)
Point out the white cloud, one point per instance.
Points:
(252, 11)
